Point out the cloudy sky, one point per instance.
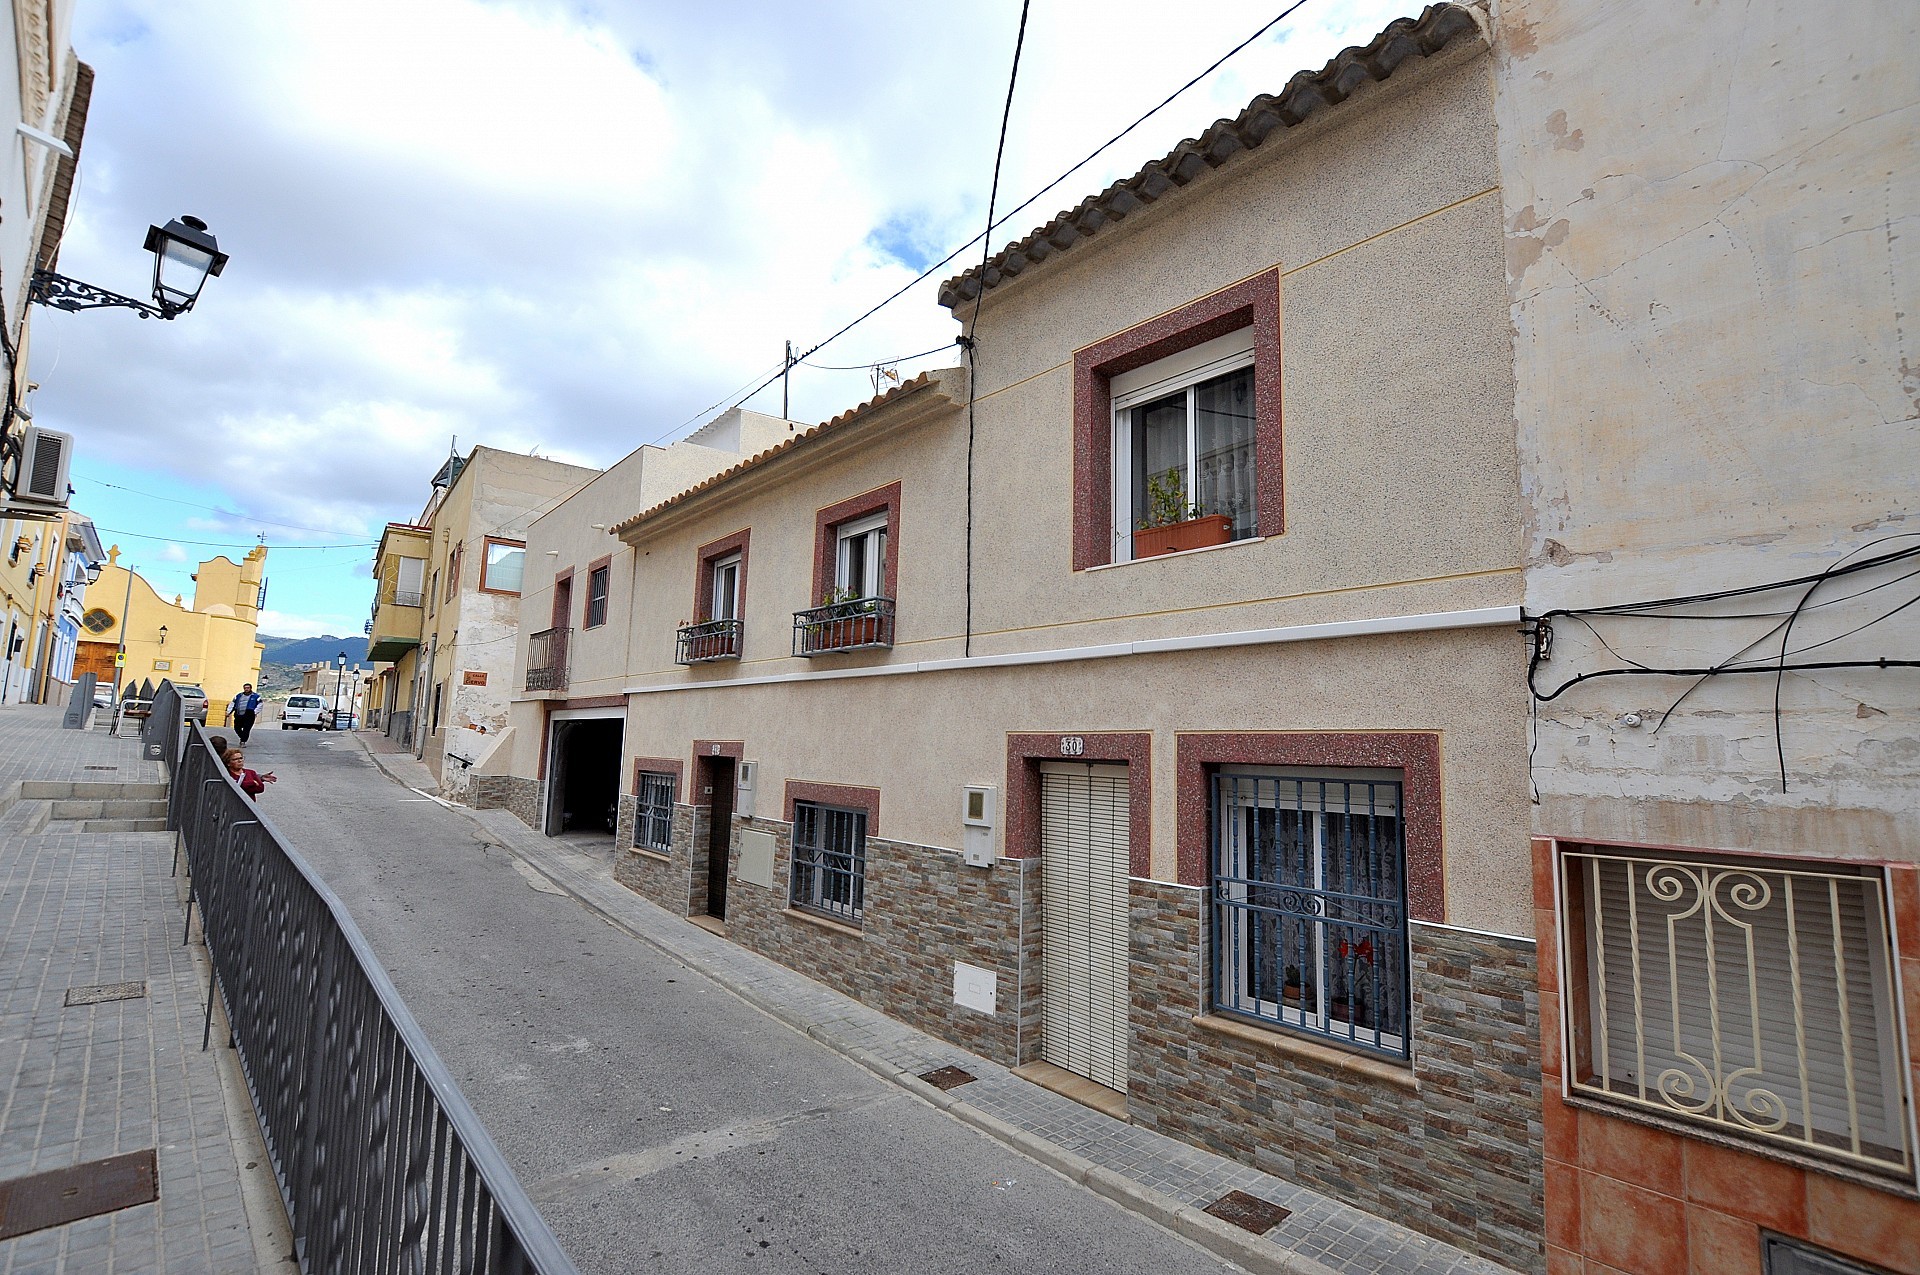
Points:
(558, 225)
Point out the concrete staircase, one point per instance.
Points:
(101, 806)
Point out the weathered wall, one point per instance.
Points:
(1709, 215)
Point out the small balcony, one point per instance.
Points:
(713, 640)
(408, 598)
(547, 660)
(843, 626)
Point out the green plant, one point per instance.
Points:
(846, 602)
(1167, 501)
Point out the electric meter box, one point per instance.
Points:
(979, 813)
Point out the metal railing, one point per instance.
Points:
(1754, 999)
(829, 861)
(711, 640)
(408, 598)
(547, 660)
(381, 1163)
(843, 626)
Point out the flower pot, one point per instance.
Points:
(1195, 533)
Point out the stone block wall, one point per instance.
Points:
(924, 910)
(1452, 1147)
(662, 879)
(507, 792)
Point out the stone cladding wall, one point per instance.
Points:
(663, 879)
(925, 910)
(515, 793)
(1455, 1152)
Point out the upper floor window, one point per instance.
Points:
(433, 593)
(453, 571)
(1754, 997)
(1177, 423)
(860, 557)
(599, 581)
(1183, 445)
(1309, 902)
(504, 565)
(724, 601)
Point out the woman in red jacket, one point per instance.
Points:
(251, 782)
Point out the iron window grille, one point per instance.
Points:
(599, 581)
(653, 815)
(1755, 998)
(829, 861)
(843, 626)
(713, 640)
(1309, 906)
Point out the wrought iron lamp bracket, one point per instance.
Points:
(62, 293)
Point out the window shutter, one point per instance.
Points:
(1085, 857)
(1720, 951)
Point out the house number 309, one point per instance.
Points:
(1072, 745)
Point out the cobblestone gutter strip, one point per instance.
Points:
(1160, 1178)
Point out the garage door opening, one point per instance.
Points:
(583, 776)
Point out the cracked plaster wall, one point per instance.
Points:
(1709, 210)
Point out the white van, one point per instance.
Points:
(302, 710)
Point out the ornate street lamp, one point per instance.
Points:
(185, 256)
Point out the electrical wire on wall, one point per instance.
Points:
(968, 342)
(1770, 653)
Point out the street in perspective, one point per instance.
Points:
(1026, 636)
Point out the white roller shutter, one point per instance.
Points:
(1085, 858)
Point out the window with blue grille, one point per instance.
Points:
(1309, 903)
(653, 814)
(829, 861)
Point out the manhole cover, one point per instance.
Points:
(66, 1195)
(106, 992)
(947, 1077)
(1249, 1212)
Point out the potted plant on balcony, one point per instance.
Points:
(1173, 523)
(844, 619)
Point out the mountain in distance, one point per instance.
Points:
(317, 650)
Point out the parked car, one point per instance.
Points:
(103, 697)
(303, 711)
(344, 719)
(194, 700)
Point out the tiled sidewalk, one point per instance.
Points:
(1164, 1179)
(78, 1083)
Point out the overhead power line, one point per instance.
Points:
(1011, 213)
(218, 544)
(225, 513)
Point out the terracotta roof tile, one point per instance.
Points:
(841, 421)
(1306, 93)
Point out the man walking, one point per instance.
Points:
(242, 710)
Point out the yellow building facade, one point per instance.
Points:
(211, 644)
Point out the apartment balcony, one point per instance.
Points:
(396, 625)
(857, 625)
(547, 659)
(713, 640)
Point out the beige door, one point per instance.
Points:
(1084, 862)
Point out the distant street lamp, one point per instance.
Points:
(339, 684)
(185, 256)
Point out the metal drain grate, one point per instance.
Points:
(60, 1196)
(1249, 1212)
(106, 992)
(99, 768)
(947, 1077)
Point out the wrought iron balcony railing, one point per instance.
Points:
(547, 660)
(708, 641)
(843, 626)
(408, 598)
(1754, 999)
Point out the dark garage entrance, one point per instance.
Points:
(583, 775)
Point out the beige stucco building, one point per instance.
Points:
(968, 752)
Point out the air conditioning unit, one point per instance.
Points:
(45, 457)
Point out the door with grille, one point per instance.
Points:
(1084, 857)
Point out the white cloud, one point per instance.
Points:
(562, 225)
(286, 624)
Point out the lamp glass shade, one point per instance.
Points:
(184, 256)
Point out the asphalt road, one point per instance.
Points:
(660, 1122)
